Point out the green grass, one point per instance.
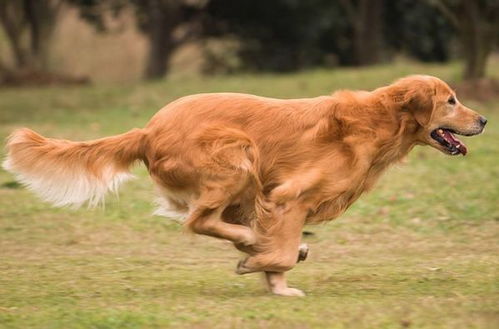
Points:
(420, 251)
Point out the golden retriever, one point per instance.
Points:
(254, 170)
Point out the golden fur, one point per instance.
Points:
(249, 169)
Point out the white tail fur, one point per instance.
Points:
(72, 173)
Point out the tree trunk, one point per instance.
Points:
(29, 25)
(358, 40)
(371, 32)
(477, 39)
(366, 22)
(14, 23)
(160, 49)
(163, 18)
(476, 54)
(41, 16)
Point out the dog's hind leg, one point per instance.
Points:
(208, 221)
(227, 169)
(216, 193)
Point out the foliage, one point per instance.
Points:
(419, 30)
(276, 35)
(477, 23)
(286, 34)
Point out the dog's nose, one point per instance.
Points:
(483, 121)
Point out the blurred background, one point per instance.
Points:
(419, 251)
(82, 41)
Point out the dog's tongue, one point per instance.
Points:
(456, 142)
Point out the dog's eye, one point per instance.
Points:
(452, 100)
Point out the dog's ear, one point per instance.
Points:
(416, 95)
(420, 102)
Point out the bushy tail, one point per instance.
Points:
(72, 173)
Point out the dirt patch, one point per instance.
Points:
(481, 90)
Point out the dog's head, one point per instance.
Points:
(438, 112)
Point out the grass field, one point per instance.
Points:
(421, 251)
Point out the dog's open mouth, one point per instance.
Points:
(446, 138)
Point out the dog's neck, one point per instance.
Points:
(386, 134)
(400, 142)
(390, 129)
(364, 164)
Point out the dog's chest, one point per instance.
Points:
(336, 196)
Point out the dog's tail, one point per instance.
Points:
(71, 173)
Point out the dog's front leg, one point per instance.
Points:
(277, 284)
(280, 249)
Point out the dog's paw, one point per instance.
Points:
(288, 292)
(241, 268)
(250, 250)
(248, 239)
(303, 252)
(247, 244)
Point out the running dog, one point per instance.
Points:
(254, 170)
